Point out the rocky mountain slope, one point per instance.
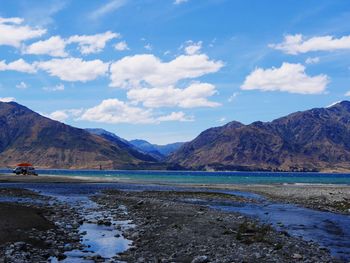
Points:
(160, 152)
(26, 136)
(124, 144)
(313, 140)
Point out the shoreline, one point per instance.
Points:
(325, 197)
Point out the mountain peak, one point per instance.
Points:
(312, 140)
(26, 136)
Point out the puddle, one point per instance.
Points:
(101, 235)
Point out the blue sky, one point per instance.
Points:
(167, 70)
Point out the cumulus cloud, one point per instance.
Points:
(175, 116)
(233, 97)
(314, 60)
(193, 96)
(121, 46)
(13, 33)
(54, 46)
(21, 85)
(177, 2)
(347, 94)
(92, 43)
(74, 69)
(7, 99)
(148, 46)
(288, 78)
(147, 69)
(58, 87)
(296, 44)
(116, 111)
(107, 8)
(17, 65)
(58, 115)
(192, 48)
(63, 115)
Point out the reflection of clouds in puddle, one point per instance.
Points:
(330, 230)
(103, 240)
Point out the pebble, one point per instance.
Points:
(200, 259)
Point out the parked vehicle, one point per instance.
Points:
(25, 169)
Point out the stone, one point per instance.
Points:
(297, 256)
(200, 259)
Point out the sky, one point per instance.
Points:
(166, 70)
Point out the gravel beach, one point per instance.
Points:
(168, 226)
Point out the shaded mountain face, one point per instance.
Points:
(123, 144)
(26, 136)
(158, 151)
(313, 140)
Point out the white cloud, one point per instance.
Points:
(192, 48)
(58, 87)
(223, 119)
(63, 115)
(7, 99)
(13, 33)
(347, 94)
(177, 2)
(314, 60)
(296, 44)
(92, 43)
(116, 111)
(289, 78)
(54, 46)
(193, 96)
(233, 97)
(111, 6)
(74, 69)
(148, 46)
(17, 65)
(21, 85)
(58, 115)
(143, 70)
(121, 46)
(11, 20)
(42, 12)
(175, 116)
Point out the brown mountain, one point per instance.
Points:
(26, 136)
(313, 140)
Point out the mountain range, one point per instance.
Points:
(160, 152)
(312, 140)
(27, 136)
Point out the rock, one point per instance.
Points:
(200, 259)
(141, 202)
(297, 256)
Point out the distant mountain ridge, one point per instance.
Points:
(122, 143)
(313, 140)
(26, 136)
(158, 151)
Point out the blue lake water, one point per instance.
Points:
(188, 177)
